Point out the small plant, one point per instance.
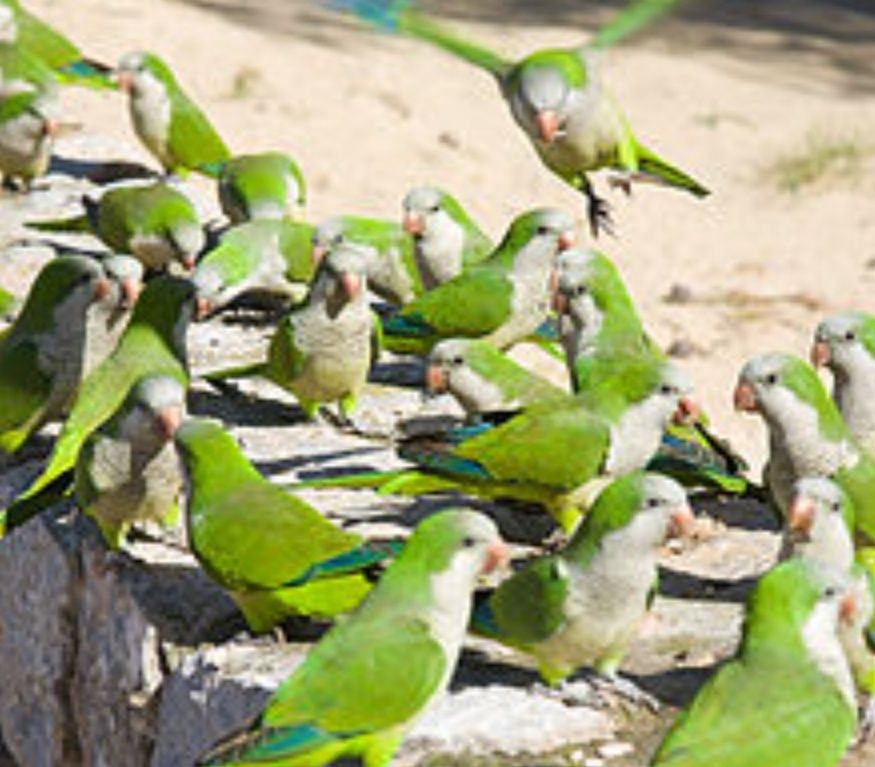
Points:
(821, 157)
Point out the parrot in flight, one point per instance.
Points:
(557, 98)
(372, 674)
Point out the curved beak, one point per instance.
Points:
(51, 128)
(188, 262)
(414, 223)
(130, 292)
(745, 398)
(436, 379)
(125, 81)
(547, 123)
(169, 419)
(351, 284)
(497, 555)
(318, 253)
(102, 288)
(202, 308)
(566, 240)
(800, 517)
(687, 411)
(848, 608)
(820, 354)
(681, 523)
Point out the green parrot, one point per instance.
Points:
(22, 72)
(166, 120)
(787, 698)
(27, 133)
(268, 185)
(321, 351)
(127, 470)
(263, 255)
(154, 222)
(557, 98)
(483, 379)
(446, 239)
(42, 353)
(391, 267)
(46, 45)
(517, 458)
(502, 299)
(153, 343)
(274, 553)
(807, 436)
(372, 674)
(584, 604)
(845, 343)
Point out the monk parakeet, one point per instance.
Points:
(38, 41)
(503, 299)
(257, 186)
(372, 674)
(446, 239)
(321, 351)
(584, 604)
(155, 222)
(166, 120)
(845, 343)
(274, 553)
(153, 343)
(42, 354)
(483, 379)
(108, 317)
(556, 96)
(260, 256)
(127, 470)
(787, 698)
(27, 131)
(391, 269)
(807, 436)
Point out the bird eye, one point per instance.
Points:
(652, 503)
(850, 335)
(468, 541)
(580, 290)
(542, 230)
(836, 506)
(771, 379)
(434, 209)
(829, 592)
(457, 362)
(666, 389)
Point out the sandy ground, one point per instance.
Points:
(726, 93)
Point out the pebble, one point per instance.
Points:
(614, 750)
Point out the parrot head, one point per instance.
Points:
(328, 235)
(140, 71)
(126, 276)
(816, 502)
(424, 211)
(845, 343)
(549, 227)
(455, 364)
(342, 277)
(155, 404)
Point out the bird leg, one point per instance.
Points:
(598, 211)
(866, 722)
(624, 688)
(571, 694)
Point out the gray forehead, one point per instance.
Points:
(838, 324)
(120, 267)
(159, 391)
(664, 489)
(347, 258)
(448, 349)
(764, 365)
(818, 488)
(329, 230)
(423, 198)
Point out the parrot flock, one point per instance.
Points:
(618, 458)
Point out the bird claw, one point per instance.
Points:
(571, 694)
(625, 688)
(621, 181)
(866, 722)
(599, 215)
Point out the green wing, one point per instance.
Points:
(192, 140)
(778, 710)
(24, 391)
(296, 247)
(284, 359)
(42, 41)
(473, 304)
(858, 481)
(560, 447)
(528, 607)
(258, 536)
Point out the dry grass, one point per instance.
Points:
(822, 157)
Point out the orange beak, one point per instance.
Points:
(169, 419)
(566, 240)
(745, 398)
(800, 516)
(547, 123)
(317, 253)
(101, 289)
(188, 262)
(820, 354)
(687, 412)
(130, 292)
(681, 523)
(559, 302)
(414, 223)
(51, 128)
(436, 379)
(125, 81)
(202, 307)
(848, 609)
(497, 555)
(351, 285)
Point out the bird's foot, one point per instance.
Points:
(618, 686)
(866, 722)
(344, 423)
(621, 180)
(571, 694)
(598, 214)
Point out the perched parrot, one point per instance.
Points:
(446, 239)
(268, 185)
(275, 554)
(584, 604)
(321, 351)
(483, 379)
(155, 222)
(26, 138)
(166, 120)
(502, 299)
(259, 256)
(787, 698)
(371, 675)
(153, 343)
(127, 470)
(845, 343)
(807, 436)
(39, 41)
(557, 98)
(391, 268)
(518, 457)
(43, 353)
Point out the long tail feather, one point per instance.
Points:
(24, 509)
(653, 165)
(240, 371)
(88, 73)
(362, 558)
(75, 224)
